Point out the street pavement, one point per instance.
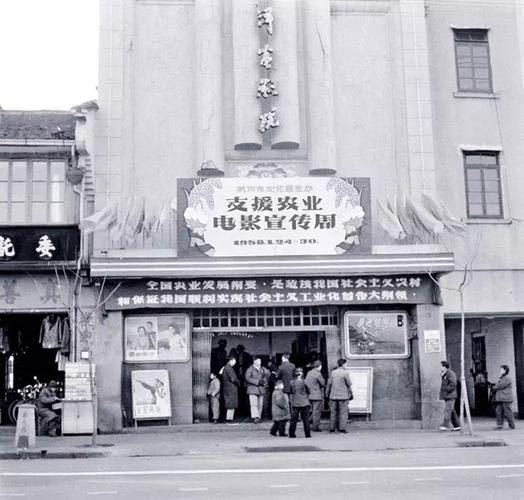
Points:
(242, 463)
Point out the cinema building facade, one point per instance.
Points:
(283, 176)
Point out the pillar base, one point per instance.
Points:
(432, 413)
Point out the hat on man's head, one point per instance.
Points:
(52, 383)
(299, 371)
(317, 363)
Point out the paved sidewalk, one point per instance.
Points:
(209, 439)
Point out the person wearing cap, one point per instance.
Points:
(299, 400)
(49, 419)
(315, 383)
(339, 394)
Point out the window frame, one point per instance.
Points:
(471, 42)
(482, 168)
(29, 218)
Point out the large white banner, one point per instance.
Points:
(232, 217)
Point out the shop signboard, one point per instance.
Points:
(163, 338)
(151, 394)
(376, 334)
(38, 244)
(36, 292)
(270, 292)
(362, 388)
(276, 216)
(77, 382)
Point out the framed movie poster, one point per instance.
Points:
(151, 396)
(163, 338)
(377, 334)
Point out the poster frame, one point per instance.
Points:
(165, 374)
(369, 396)
(345, 332)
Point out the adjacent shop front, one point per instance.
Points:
(266, 267)
(35, 331)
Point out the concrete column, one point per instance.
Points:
(108, 358)
(246, 43)
(430, 317)
(421, 153)
(285, 73)
(209, 88)
(322, 142)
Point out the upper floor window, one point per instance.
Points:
(472, 59)
(32, 192)
(483, 186)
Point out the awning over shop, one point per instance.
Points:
(272, 266)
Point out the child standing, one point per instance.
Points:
(279, 409)
(213, 393)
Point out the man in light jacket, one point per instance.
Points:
(339, 393)
(504, 398)
(256, 388)
(316, 384)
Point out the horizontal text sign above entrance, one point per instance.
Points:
(234, 217)
(265, 292)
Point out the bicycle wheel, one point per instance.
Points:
(12, 411)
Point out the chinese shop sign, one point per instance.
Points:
(232, 217)
(19, 292)
(38, 243)
(267, 292)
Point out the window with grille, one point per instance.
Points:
(472, 61)
(270, 317)
(32, 192)
(483, 186)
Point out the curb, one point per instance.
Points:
(43, 454)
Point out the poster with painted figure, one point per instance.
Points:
(151, 396)
(173, 338)
(376, 334)
(163, 338)
(141, 338)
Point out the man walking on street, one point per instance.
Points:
(339, 393)
(256, 388)
(448, 393)
(504, 398)
(286, 372)
(315, 383)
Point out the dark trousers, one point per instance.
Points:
(338, 414)
(49, 420)
(278, 426)
(503, 410)
(316, 410)
(301, 412)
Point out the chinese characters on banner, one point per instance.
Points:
(267, 88)
(269, 292)
(157, 338)
(232, 217)
(151, 394)
(381, 334)
(38, 243)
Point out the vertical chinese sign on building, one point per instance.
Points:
(232, 217)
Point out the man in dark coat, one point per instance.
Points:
(230, 385)
(315, 383)
(448, 393)
(279, 410)
(503, 399)
(219, 356)
(49, 420)
(286, 372)
(339, 394)
(299, 400)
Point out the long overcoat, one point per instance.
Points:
(230, 385)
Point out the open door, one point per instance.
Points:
(518, 339)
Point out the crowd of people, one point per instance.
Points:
(294, 393)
